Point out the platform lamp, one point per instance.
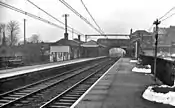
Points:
(157, 22)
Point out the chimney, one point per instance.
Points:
(79, 37)
(131, 31)
(66, 36)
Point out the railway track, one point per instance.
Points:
(71, 95)
(19, 96)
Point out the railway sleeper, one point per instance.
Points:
(10, 97)
(4, 100)
(67, 100)
(62, 104)
(54, 106)
(72, 95)
(16, 95)
(20, 93)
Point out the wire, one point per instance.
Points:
(91, 16)
(102, 32)
(53, 17)
(168, 17)
(78, 14)
(29, 14)
(167, 13)
(149, 29)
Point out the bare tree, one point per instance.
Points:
(2, 33)
(13, 32)
(35, 38)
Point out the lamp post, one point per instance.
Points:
(157, 22)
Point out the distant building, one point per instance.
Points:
(117, 43)
(64, 49)
(143, 42)
(92, 49)
(166, 39)
(146, 39)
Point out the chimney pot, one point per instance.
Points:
(79, 37)
(66, 36)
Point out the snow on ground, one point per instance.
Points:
(133, 61)
(165, 98)
(168, 58)
(141, 70)
(149, 94)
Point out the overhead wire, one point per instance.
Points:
(149, 29)
(78, 14)
(29, 14)
(91, 16)
(77, 32)
(167, 13)
(161, 18)
(168, 17)
(102, 32)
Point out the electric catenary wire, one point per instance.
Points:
(167, 13)
(92, 17)
(78, 14)
(168, 17)
(30, 15)
(77, 32)
(161, 18)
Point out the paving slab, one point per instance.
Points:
(120, 88)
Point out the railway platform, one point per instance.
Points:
(28, 69)
(119, 87)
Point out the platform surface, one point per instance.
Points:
(119, 88)
(27, 69)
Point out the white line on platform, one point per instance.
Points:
(82, 96)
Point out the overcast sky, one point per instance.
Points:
(113, 16)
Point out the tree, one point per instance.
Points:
(35, 38)
(13, 32)
(2, 33)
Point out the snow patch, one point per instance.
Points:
(133, 61)
(141, 70)
(169, 58)
(165, 98)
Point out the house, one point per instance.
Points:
(64, 49)
(166, 39)
(92, 49)
(144, 42)
(146, 39)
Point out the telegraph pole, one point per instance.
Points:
(66, 34)
(157, 22)
(86, 38)
(24, 31)
(72, 33)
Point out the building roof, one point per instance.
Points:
(114, 42)
(65, 42)
(92, 43)
(141, 32)
(78, 41)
